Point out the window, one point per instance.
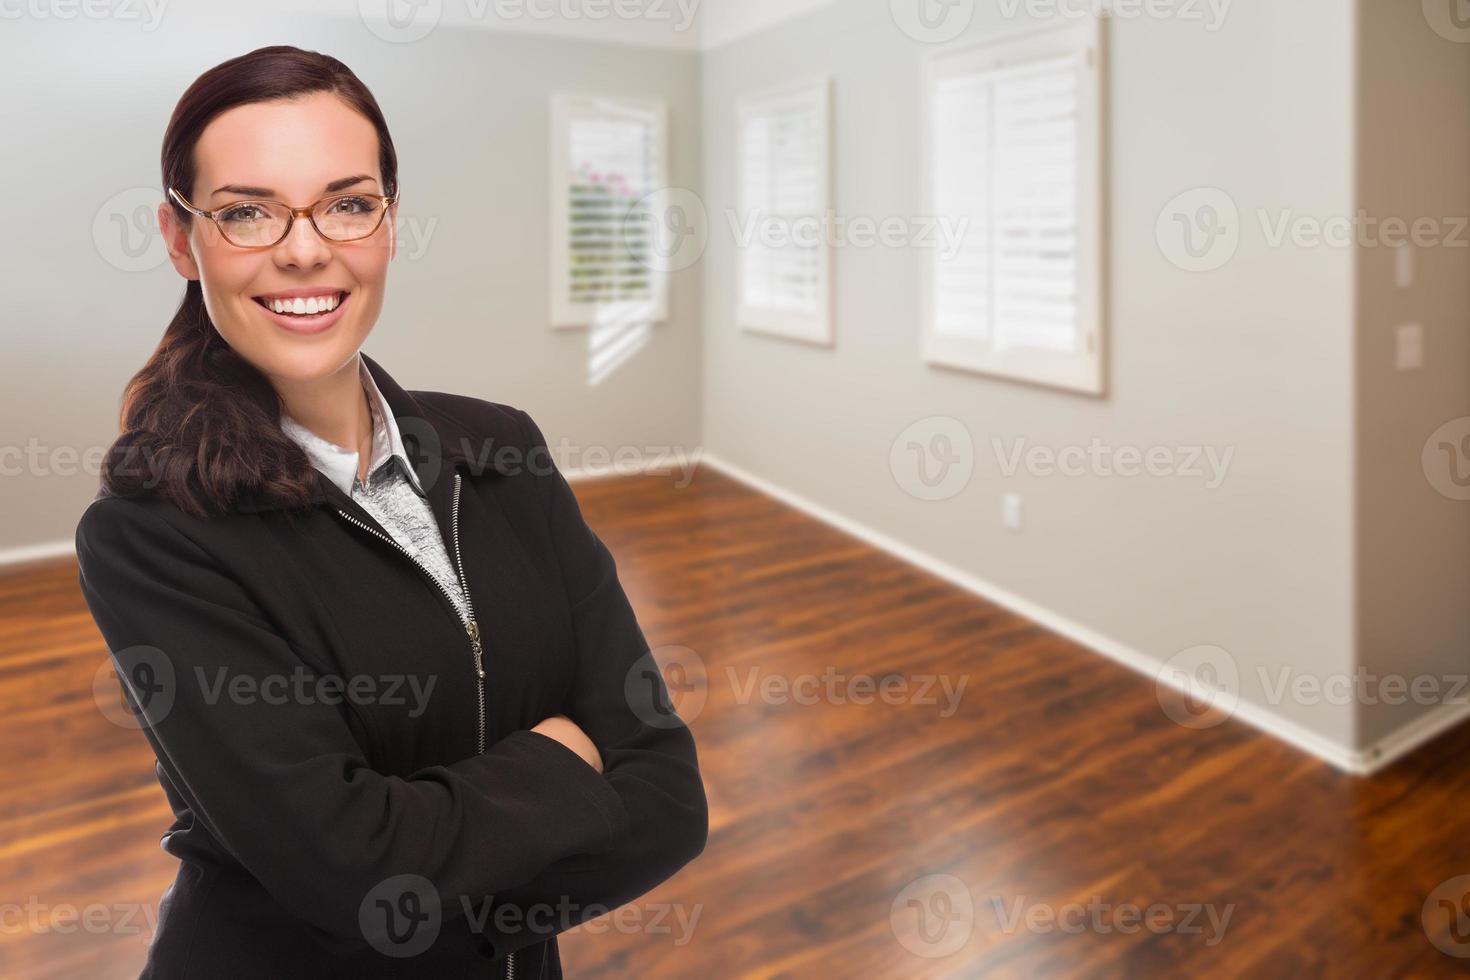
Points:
(785, 255)
(1014, 161)
(607, 156)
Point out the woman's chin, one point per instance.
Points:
(302, 363)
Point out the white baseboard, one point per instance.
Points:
(37, 552)
(1360, 762)
(1409, 736)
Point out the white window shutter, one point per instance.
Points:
(608, 155)
(1014, 158)
(784, 197)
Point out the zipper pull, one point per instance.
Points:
(473, 628)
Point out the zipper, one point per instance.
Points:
(471, 625)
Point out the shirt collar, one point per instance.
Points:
(339, 464)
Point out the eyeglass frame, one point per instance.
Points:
(388, 201)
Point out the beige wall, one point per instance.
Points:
(1255, 357)
(1413, 151)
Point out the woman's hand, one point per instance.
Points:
(566, 731)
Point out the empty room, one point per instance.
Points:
(939, 488)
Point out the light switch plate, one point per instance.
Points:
(1409, 346)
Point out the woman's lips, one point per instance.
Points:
(309, 322)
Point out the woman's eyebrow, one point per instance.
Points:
(336, 185)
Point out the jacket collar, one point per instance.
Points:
(435, 444)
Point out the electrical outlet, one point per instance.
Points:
(1010, 511)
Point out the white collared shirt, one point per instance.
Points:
(392, 494)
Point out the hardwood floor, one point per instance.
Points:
(1053, 786)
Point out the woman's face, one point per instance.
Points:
(296, 152)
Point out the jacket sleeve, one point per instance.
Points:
(282, 783)
(620, 700)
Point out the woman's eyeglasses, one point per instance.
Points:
(262, 224)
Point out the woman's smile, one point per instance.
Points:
(310, 310)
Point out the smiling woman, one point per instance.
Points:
(276, 507)
(250, 139)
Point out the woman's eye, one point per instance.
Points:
(352, 205)
(242, 214)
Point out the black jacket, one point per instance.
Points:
(314, 703)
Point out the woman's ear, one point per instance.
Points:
(392, 221)
(176, 240)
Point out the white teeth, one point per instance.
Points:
(304, 306)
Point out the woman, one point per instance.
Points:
(401, 706)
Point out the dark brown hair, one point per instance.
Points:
(200, 424)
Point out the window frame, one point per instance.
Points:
(1082, 371)
(565, 107)
(816, 328)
